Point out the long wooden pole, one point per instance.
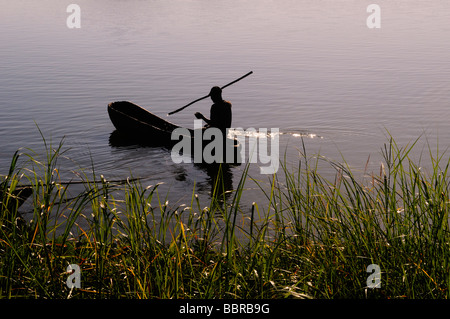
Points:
(206, 96)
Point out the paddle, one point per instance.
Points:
(206, 96)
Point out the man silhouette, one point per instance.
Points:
(220, 113)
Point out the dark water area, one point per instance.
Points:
(321, 76)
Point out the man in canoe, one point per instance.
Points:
(220, 113)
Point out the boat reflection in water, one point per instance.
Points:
(220, 176)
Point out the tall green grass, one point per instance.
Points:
(312, 238)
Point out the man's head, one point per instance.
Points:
(216, 94)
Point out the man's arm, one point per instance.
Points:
(200, 116)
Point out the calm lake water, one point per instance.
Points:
(319, 73)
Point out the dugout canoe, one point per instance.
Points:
(137, 123)
(134, 123)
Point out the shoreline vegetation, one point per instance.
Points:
(315, 239)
